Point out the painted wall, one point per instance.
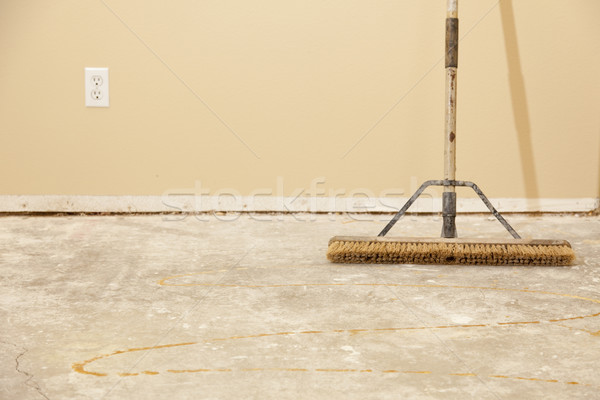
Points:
(242, 94)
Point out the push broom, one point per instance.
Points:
(449, 249)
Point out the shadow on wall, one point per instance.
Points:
(519, 99)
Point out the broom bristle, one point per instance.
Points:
(378, 250)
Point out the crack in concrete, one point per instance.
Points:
(30, 381)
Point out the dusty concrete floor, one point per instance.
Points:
(149, 307)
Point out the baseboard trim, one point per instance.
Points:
(190, 203)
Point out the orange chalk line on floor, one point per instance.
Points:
(355, 370)
(523, 290)
(80, 367)
(596, 333)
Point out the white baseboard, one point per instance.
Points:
(190, 203)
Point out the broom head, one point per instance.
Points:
(391, 250)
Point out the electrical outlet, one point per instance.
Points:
(96, 87)
(97, 94)
(97, 80)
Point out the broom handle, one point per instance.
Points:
(449, 195)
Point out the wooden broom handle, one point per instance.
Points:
(449, 195)
(451, 67)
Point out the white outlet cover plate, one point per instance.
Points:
(96, 87)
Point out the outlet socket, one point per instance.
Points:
(96, 87)
(97, 94)
(97, 80)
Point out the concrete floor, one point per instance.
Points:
(150, 307)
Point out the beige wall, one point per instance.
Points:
(237, 93)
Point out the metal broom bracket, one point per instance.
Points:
(449, 214)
